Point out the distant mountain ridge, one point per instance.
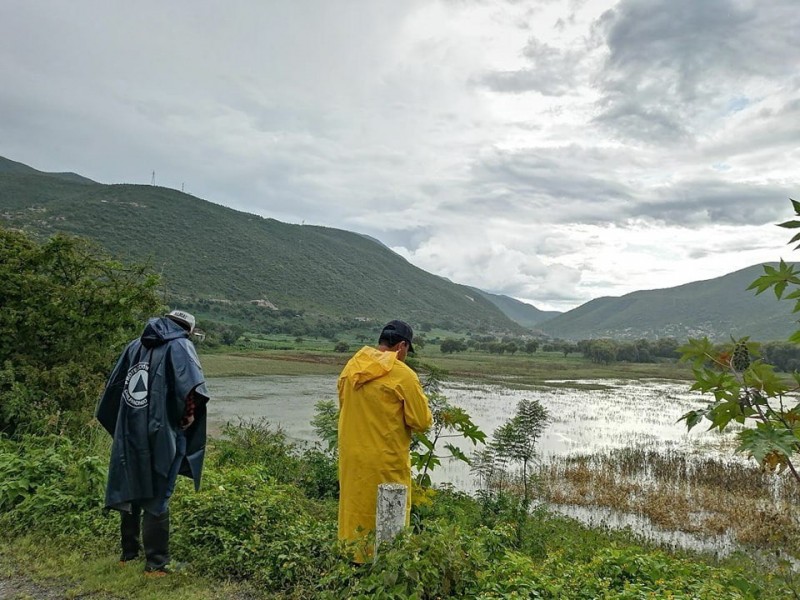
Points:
(716, 308)
(523, 313)
(208, 251)
(205, 250)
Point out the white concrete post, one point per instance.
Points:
(390, 516)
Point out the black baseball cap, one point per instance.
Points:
(398, 329)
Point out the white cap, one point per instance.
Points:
(181, 317)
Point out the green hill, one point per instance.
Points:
(207, 251)
(523, 313)
(16, 168)
(716, 308)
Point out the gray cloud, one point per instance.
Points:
(552, 72)
(669, 61)
(526, 148)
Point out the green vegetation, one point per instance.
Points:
(448, 422)
(205, 251)
(518, 371)
(267, 276)
(264, 525)
(520, 312)
(67, 312)
(264, 522)
(716, 308)
(747, 389)
(513, 444)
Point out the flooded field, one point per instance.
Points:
(285, 401)
(613, 454)
(585, 416)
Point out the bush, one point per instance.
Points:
(68, 310)
(312, 470)
(244, 525)
(51, 484)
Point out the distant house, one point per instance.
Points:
(264, 304)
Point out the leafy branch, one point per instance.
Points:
(747, 389)
(448, 422)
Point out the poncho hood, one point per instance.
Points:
(368, 364)
(160, 330)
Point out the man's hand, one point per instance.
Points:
(186, 422)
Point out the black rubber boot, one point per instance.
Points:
(155, 535)
(129, 533)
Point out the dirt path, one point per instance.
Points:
(19, 588)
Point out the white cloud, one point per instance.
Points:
(553, 151)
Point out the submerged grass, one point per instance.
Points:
(698, 495)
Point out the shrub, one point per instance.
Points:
(244, 525)
(68, 309)
(51, 484)
(312, 470)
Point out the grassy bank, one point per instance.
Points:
(264, 523)
(519, 370)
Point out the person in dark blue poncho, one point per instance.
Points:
(154, 406)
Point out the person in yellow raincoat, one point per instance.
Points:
(380, 403)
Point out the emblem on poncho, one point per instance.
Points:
(135, 393)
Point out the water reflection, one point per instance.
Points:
(285, 401)
(590, 417)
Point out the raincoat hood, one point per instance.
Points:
(368, 364)
(160, 330)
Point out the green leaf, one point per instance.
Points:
(790, 224)
(778, 278)
(765, 439)
(457, 453)
(423, 439)
(722, 413)
(692, 418)
(761, 376)
(697, 351)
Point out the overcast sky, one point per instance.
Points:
(551, 150)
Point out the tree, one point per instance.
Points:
(513, 442)
(746, 389)
(326, 424)
(600, 351)
(516, 439)
(341, 347)
(666, 348)
(450, 345)
(531, 346)
(67, 311)
(782, 355)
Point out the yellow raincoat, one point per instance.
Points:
(380, 402)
